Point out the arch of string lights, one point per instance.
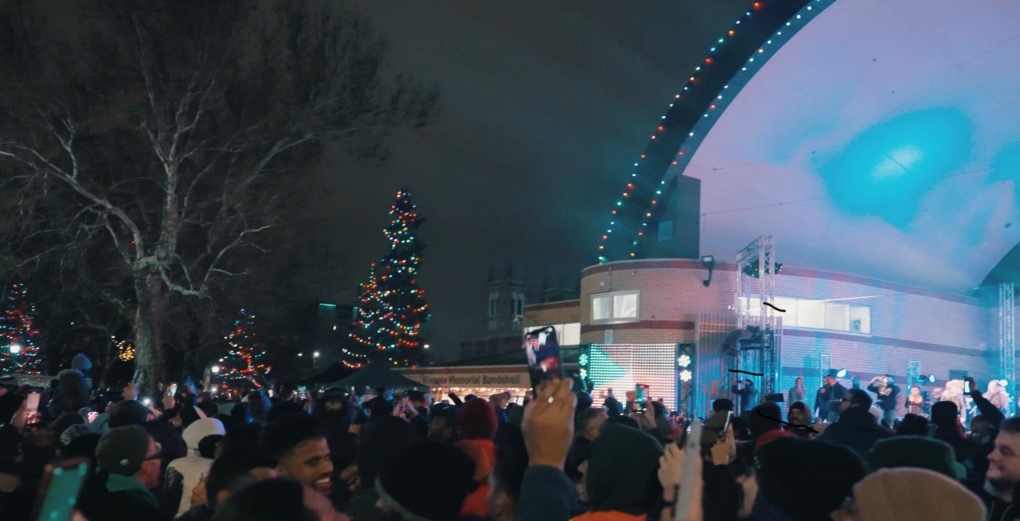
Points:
(732, 61)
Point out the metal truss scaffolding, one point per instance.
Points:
(756, 285)
(1007, 347)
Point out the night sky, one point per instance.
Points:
(545, 105)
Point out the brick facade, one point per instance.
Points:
(944, 331)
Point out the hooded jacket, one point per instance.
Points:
(622, 476)
(184, 473)
(856, 429)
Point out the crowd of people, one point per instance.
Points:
(181, 454)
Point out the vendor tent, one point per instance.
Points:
(377, 375)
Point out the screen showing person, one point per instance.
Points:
(543, 355)
(641, 397)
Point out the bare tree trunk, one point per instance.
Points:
(148, 326)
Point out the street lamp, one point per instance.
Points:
(215, 369)
(315, 359)
(15, 349)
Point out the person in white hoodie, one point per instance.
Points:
(183, 474)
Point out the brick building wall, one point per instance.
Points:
(943, 331)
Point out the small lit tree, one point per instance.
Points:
(244, 365)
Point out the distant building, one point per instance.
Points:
(509, 292)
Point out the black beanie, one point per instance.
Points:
(792, 469)
(431, 482)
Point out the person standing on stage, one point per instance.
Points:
(747, 393)
(954, 393)
(915, 401)
(997, 395)
(831, 391)
(887, 393)
(797, 393)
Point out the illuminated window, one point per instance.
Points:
(616, 306)
(828, 315)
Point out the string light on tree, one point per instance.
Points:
(391, 307)
(19, 353)
(125, 351)
(244, 365)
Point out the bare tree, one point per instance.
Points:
(152, 152)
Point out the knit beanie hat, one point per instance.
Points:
(123, 449)
(430, 483)
(907, 494)
(477, 420)
(792, 469)
(623, 465)
(912, 451)
(128, 412)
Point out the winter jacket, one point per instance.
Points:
(856, 429)
(113, 497)
(483, 452)
(796, 394)
(825, 395)
(886, 395)
(546, 495)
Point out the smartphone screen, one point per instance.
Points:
(60, 488)
(32, 402)
(641, 398)
(173, 389)
(966, 386)
(302, 392)
(543, 355)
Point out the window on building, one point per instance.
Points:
(517, 304)
(666, 230)
(818, 314)
(494, 303)
(616, 306)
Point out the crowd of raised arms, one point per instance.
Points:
(864, 454)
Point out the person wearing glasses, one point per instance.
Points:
(128, 465)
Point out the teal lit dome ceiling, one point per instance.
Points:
(882, 139)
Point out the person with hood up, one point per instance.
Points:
(184, 473)
(621, 475)
(431, 484)
(857, 428)
(382, 440)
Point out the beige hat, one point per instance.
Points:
(908, 494)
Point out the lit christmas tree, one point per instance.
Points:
(392, 307)
(17, 330)
(244, 366)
